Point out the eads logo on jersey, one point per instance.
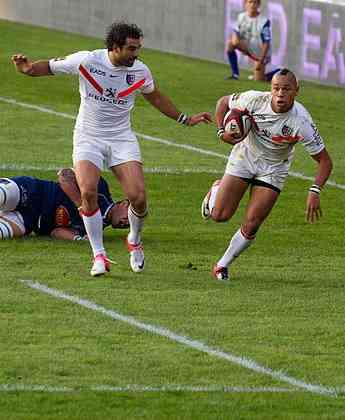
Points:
(130, 78)
(97, 71)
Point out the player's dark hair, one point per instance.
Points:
(119, 31)
(286, 72)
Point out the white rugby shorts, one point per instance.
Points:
(244, 164)
(104, 154)
(15, 217)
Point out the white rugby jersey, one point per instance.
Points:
(256, 31)
(107, 92)
(276, 134)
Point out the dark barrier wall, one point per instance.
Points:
(309, 35)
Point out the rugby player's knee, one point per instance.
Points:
(138, 201)
(88, 195)
(230, 46)
(233, 43)
(251, 226)
(220, 215)
(9, 194)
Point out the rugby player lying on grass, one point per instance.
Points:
(44, 207)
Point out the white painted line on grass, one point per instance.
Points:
(145, 388)
(182, 146)
(157, 139)
(156, 170)
(33, 388)
(194, 388)
(37, 108)
(189, 342)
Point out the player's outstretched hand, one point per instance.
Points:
(313, 211)
(204, 117)
(21, 62)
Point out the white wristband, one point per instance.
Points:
(220, 132)
(182, 119)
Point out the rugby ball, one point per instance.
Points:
(238, 122)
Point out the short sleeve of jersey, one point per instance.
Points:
(149, 85)
(266, 35)
(69, 64)
(243, 100)
(312, 140)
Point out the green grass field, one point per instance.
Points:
(170, 343)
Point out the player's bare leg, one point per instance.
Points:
(220, 203)
(88, 175)
(223, 198)
(260, 204)
(240, 45)
(259, 71)
(227, 197)
(131, 177)
(236, 43)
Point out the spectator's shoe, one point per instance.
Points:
(205, 208)
(101, 265)
(136, 256)
(232, 77)
(220, 273)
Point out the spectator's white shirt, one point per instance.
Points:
(107, 92)
(276, 134)
(255, 31)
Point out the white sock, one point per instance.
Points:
(94, 228)
(136, 223)
(212, 200)
(237, 245)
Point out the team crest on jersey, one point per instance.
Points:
(130, 78)
(286, 130)
(62, 217)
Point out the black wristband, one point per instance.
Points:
(315, 189)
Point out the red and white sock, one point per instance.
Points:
(239, 242)
(94, 228)
(136, 223)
